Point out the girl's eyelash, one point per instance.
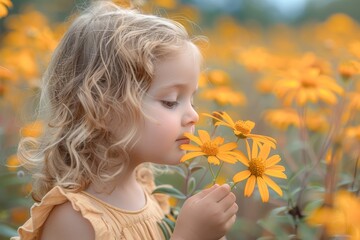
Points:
(169, 104)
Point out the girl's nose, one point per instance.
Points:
(191, 116)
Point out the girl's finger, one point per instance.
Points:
(219, 193)
(204, 192)
(231, 211)
(227, 201)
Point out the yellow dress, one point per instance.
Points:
(109, 222)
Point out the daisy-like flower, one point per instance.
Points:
(307, 85)
(260, 168)
(242, 129)
(4, 5)
(213, 149)
(224, 95)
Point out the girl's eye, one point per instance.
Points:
(169, 104)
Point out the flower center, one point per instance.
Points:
(210, 148)
(308, 82)
(242, 127)
(257, 167)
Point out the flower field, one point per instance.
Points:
(279, 121)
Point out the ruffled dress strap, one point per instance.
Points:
(56, 196)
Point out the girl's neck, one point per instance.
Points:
(125, 193)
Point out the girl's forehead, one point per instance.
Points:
(181, 69)
(188, 58)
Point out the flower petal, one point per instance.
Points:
(263, 189)
(255, 152)
(275, 173)
(214, 160)
(218, 140)
(271, 161)
(240, 156)
(241, 176)
(226, 158)
(263, 139)
(204, 136)
(249, 187)
(191, 155)
(190, 147)
(227, 118)
(193, 138)
(228, 146)
(248, 149)
(264, 151)
(273, 185)
(250, 124)
(277, 167)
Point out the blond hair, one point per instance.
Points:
(98, 74)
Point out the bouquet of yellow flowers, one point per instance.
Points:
(259, 166)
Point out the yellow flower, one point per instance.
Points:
(19, 215)
(260, 167)
(242, 129)
(282, 118)
(310, 60)
(353, 132)
(316, 122)
(218, 77)
(307, 85)
(266, 84)
(255, 58)
(354, 48)
(341, 219)
(33, 129)
(349, 69)
(4, 5)
(6, 74)
(224, 95)
(211, 148)
(354, 100)
(13, 163)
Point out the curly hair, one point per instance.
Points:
(98, 74)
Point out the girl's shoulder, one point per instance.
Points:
(64, 212)
(73, 213)
(66, 223)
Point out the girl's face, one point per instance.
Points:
(169, 104)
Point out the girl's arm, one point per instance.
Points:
(207, 215)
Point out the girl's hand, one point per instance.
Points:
(206, 215)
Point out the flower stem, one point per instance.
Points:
(355, 173)
(212, 174)
(217, 174)
(232, 187)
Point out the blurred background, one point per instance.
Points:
(252, 45)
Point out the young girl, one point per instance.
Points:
(117, 95)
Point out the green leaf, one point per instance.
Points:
(180, 171)
(195, 169)
(170, 191)
(170, 223)
(191, 185)
(278, 210)
(164, 230)
(7, 231)
(194, 163)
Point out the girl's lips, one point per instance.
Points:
(183, 141)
